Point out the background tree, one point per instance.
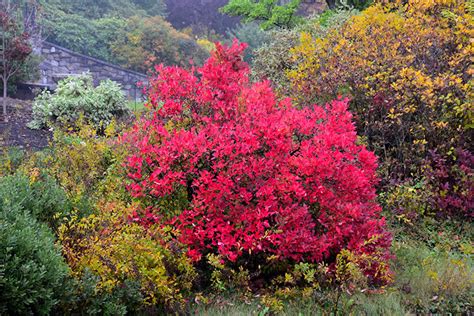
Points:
(284, 13)
(251, 34)
(202, 18)
(96, 9)
(152, 40)
(15, 47)
(269, 12)
(131, 33)
(273, 59)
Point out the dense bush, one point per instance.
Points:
(408, 201)
(120, 254)
(252, 176)
(446, 189)
(85, 165)
(451, 181)
(274, 59)
(42, 197)
(75, 97)
(252, 35)
(406, 72)
(33, 274)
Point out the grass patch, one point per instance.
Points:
(427, 280)
(136, 106)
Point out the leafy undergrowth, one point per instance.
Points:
(429, 279)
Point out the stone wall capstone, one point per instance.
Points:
(59, 62)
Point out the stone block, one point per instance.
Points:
(61, 70)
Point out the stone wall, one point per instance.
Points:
(59, 62)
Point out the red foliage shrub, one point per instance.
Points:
(257, 175)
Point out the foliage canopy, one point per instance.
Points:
(268, 12)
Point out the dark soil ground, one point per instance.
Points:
(15, 132)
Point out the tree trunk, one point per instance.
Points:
(5, 117)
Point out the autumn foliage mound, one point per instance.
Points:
(408, 71)
(241, 174)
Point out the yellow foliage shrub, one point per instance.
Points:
(408, 70)
(82, 163)
(206, 44)
(408, 201)
(116, 250)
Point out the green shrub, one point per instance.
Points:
(10, 160)
(44, 199)
(273, 59)
(90, 300)
(32, 271)
(252, 34)
(76, 97)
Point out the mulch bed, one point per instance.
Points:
(15, 133)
